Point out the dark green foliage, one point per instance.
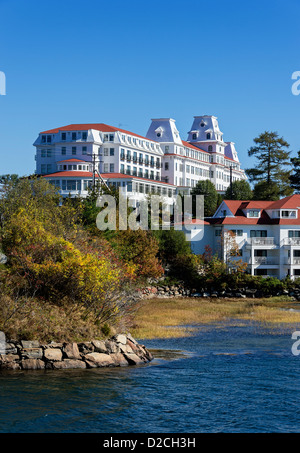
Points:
(272, 161)
(295, 176)
(266, 191)
(207, 188)
(241, 190)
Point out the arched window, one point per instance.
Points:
(208, 136)
(194, 136)
(210, 148)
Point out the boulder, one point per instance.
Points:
(71, 351)
(53, 354)
(120, 339)
(3, 258)
(99, 346)
(96, 360)
(86, 347)
(68, 364)
(32, 364)
(112, 347)
(133, 359)
(119, 359)
(32, 353)
(30, 344)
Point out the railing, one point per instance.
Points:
(261, 241)
(264, 260)
(293, 261)
(290, 241)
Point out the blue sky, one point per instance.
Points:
(123, 63)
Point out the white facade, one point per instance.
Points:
(267, 235)
(161, 159)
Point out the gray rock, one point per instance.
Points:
(96, 360)
(53, 355)
(68, 364)
(3, 258)
(71, 351)
(119, 359)
(32, 364)
(130, 337)
(120, 339)
(125, 348)
(99, 346)
(32, 353)
(133, 359)
(86, 347)
(112, 347)
(30, 344)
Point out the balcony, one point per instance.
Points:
(267, 241)
(291, 242)
(293, 261)
(264, 260)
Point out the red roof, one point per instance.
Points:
(97, 126)
(73, 174)
(237, 207)
(72, 160)
(291, 202)
(107, 176)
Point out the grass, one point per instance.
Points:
(179, 317)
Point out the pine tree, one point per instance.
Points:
(273, 159)
(295, 176)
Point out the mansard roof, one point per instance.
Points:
(97, 126)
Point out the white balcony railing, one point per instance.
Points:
(293, 261)
(261, 241)
(291, 241)
(264, 260)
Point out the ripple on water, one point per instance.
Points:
(230, 379)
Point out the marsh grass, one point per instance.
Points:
(179, 317)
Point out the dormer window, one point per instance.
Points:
(208, 136)
(202, 124)
(253, 213)
(288, 214)
(194, 136)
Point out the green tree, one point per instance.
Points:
(266, 191)
(207, 188)
(295, 176)
(272, 156)
(241, 190)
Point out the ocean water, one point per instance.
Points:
(226, 378)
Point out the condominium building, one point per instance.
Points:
(266, 234)
(73, 156)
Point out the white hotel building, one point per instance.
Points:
(267, 234)
(159, 163)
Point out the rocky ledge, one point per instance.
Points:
(120, 350)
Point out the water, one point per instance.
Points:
(224, 379)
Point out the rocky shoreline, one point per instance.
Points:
(120, 350)
(156, 291)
